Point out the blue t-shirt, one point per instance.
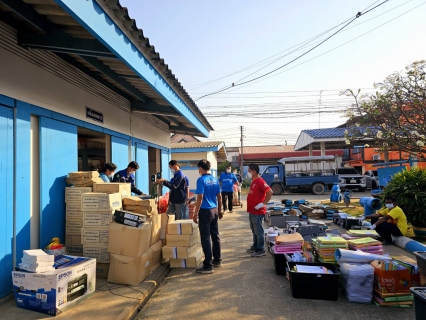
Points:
(209, 187)
(227, 180)
(104, 177)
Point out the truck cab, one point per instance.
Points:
(349, 178)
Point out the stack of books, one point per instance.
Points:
(326, 246)
(37, 261)
(367, 244)
(288, 243)
(402, 300)
(354, 234)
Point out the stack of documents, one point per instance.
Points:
(326, 246)
(352, 234)
(312, 269)
(37, 261)
(367, 244)
(402, 300)
(288, 243)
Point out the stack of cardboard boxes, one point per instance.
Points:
(83, 178)
(182, 244)
(135, 251)
(98, 208)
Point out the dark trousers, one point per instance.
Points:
(209, 229)
(387, 229)
(227, 196)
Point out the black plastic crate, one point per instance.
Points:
(421, 262)
(280, 262)
(314, 285)
(419, 301)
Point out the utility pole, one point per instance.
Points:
(319, 111)
(242, 152)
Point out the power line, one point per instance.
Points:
(359, 14)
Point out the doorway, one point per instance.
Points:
(92, 150)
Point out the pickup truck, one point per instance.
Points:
(371, 179)
(316, 182)
(349, 178)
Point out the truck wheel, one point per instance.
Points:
(318, 188)
(276, 189)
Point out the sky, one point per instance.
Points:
(210, 45)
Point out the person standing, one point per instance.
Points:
(178, 186)
(240, 183)
(108, 172)
(206, 214)
(388, 222)
(227, 180)
(259, 195)
(128, 176)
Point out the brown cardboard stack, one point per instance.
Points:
(74, 219)
(98, 209)
(182, 244)
(83, 178)
(125, 189)
(135, 252)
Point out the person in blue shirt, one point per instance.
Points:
(227, 180)
(128, 176)
(108, 172)
(178, 196)
(207, 211)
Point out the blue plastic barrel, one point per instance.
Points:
(370, 205)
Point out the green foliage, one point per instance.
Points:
(409, 189)
(222, 167)
(246, 183)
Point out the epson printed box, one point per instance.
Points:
(54, 292)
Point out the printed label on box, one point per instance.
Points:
(73, 227)
(97, 219)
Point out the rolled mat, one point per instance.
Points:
(342, 255)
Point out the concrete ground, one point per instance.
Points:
(249, 288)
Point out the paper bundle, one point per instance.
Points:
(37, 261)
(288, 243)
(83, 178)
(325, 247)
(367, 244)
(353, 234)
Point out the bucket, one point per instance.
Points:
(370, 205)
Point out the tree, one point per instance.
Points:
(393, 117)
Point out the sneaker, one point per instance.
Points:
(217, 264)
(230, 211)
(258, 253)
(204, 270)
(251, 250)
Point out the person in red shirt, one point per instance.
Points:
(258, 197)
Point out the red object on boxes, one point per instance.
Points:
(163, 203)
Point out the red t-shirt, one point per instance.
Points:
(257, 194)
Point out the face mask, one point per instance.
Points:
(249, 175)
(228, 171)
(173, 171)
(111, 175)
(389, 205)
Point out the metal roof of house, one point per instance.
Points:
(187, 147)
(46, 25)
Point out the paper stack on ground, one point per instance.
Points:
(367, 244)
(326, 246)
(288, 243)
(358, 282)
(354, 234)
(37, 261)
(182, 244)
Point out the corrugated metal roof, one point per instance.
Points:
(193, 145)
(326, 133)
(267, 149)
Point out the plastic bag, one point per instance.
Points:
(357, 280)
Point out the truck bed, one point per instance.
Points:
(310, 180)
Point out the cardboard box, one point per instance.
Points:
(191, 262)
(73, 240)
(83, 174)
(156, 254)
(129, 270)
(179, 252)
(182, 240)
(141, 209)
(73, 194)
(102, 270)
(165, 219)
(75, 250)
(182, 227)
(97, 219)
(100, 253)
(155, 221)
(98, 235)
(73, 211)
(54, 292)
(93, 201)
(128, 241)
(394, 281)
(125, 189)
(73, 227)
(138, 202)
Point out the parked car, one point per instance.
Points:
(371, 179)
(349, 178)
